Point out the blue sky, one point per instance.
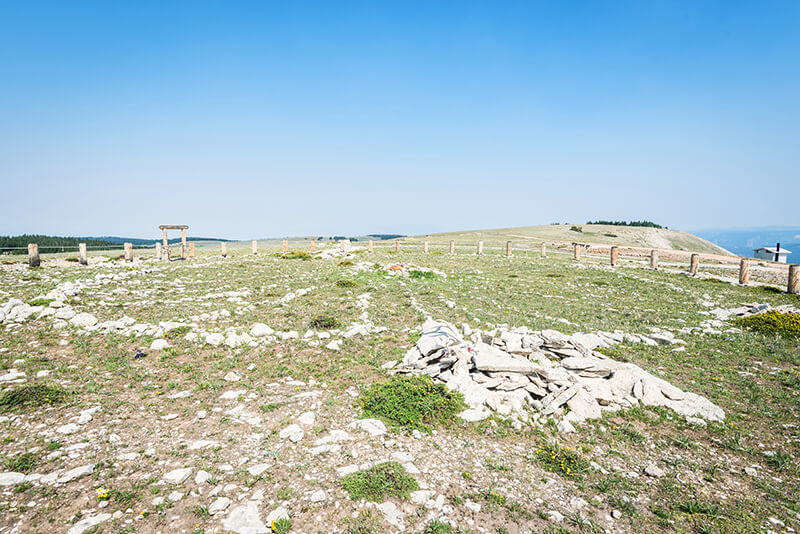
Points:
(287, 118)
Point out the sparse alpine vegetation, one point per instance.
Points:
(296, 255)
(31, 395)
(324, 322)
(247, 400)
(562, 460)
(379, 482)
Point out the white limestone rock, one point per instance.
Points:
(177, 476)
(245, 519)
(159, 344)
(373, 427)
(84, 320)
(293, 433)
(261, 330)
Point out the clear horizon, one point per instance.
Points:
(254, 120)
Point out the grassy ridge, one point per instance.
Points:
(633, 236)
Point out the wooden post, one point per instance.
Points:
(371, 246)
(183, 243)
(480, 248)
(452, 247)
(82, 254)
(508, 249)
(341, 245)
(158, 250)
(165, 251)
(128, 251)
(577, 252)
(313, 245)
(614, 256)
(285, 247)
(33, 255)
(694, 261)
(544, 249)
(223, 249)
(744, 271)
(254, 246)
(425, 247)
(397, 246)
(654, 259)
(191, 249)
(794, 280)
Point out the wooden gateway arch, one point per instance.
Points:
(164, 254)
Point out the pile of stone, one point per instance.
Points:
(404, 269)
(342, 250)
(527, 375)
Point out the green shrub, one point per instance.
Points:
(388, 479)
(412, 402)
(346, 283)
(22, 488)
(421, 275)
(346, 263)
(492, 497)
(562, 460)
(790, 378)
(32, 395)
(323, 322)
(696, 507)
(22, 463)
(40, 302)
(296, 255)
(576, 229)
(175, 333)
(281, 526)
(772, 322)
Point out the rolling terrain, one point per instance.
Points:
(628, 236)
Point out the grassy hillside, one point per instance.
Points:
(591, 233)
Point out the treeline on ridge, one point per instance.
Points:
(47, 243)
(648, 224)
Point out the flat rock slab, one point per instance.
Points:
(11, 478)
(177, 476)
(489, 358)
(74, 474)
(373, 427)
(219, 505)
(85, 524)
(245, 519)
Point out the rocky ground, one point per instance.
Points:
(222, 395)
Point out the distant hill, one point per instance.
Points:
(333, 237)
(137, 242)
(742, 241)
(48, 243)
(599, 234)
